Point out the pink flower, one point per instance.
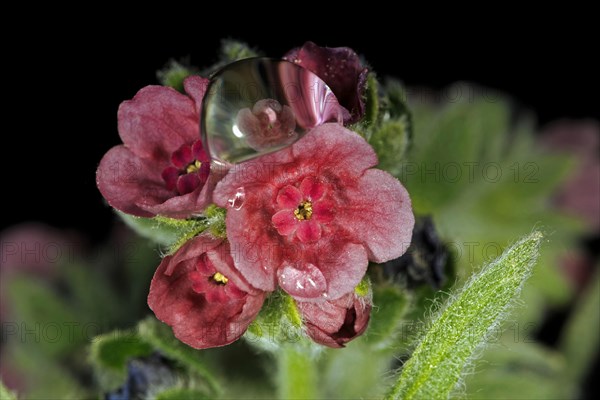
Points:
(342, 71)
(311, 216)
(335, 323)
(201, 296)
(162, 168)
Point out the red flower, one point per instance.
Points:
(162, 168)
(342, 71)
(335, 323)
(201, 296)
(312, 215)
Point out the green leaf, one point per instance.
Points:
(181, 394)
(158, 231)
(174, 233)
(113, 350)
(581, 339)
(519, 371)
(160, 336)
(461, 326)
(390, 306)
(45, 321)
(6, 394)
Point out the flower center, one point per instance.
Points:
(304, 211)
(193, 167)
(219, 279)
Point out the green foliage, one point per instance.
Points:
(6, 394)
(160, 337)
(278, 323)
(581, 339)
(437, 362)
(174, 233)
(174, 73)
(518, 371)
(181, 394)
(234, 50)
(113, 350)
(390, 306)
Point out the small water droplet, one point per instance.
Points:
(237, 201)
(303, 281)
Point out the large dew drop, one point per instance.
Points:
(258, 105)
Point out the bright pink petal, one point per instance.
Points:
(312, 189)
(289, 197)
(309, 231)
(285, 222)
(379, 215)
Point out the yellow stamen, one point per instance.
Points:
(304, 210)
(193, 167)
(220, 278)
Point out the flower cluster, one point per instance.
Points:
(306, 219)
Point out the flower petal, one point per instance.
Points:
(312, 189)
(285, 222)
(340, 68)
(195, 86)
(379, 215)
(128, 182)
(335, 323)
(196, 320)
(188, 183)
(182, 157)
(343, 265)
(309, 231)
(255, 245)
(332, 150)
(289, 197)
(157, 121)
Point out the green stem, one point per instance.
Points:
(297, 377)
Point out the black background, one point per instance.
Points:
(70, 77)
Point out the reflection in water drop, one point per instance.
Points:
(258, 105)
(237, 201)
(305, 282)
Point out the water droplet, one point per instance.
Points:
(303, 281)
(258, 105)
(237, 201)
